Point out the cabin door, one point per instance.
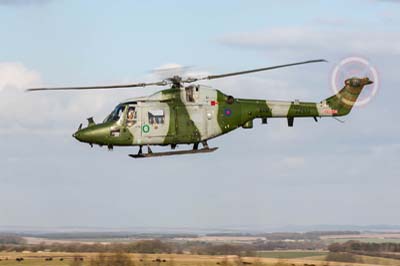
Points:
(155, 121)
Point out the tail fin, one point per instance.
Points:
(345, 99)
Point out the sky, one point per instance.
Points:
(314, 173)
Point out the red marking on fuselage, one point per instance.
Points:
(330, 111)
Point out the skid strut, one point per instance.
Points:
(169, 153)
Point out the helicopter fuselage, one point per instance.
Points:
(198, 113)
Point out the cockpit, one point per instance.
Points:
(119, 110)
(115, 114)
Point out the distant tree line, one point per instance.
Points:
(158, 246)
(387, 250)
(343, 257)
(206, 248)
(144, 246)
(351, 246)
(11, 239)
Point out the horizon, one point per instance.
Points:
(200, 231)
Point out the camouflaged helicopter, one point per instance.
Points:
(194, 114)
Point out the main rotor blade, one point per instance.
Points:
(257, 70)
(160, 83)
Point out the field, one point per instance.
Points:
(293, 258)
(291, 254)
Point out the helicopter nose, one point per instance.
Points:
(85, 134)
(93, 135)
(79, 135)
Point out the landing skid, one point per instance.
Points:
(159, 154)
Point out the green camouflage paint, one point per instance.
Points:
(207, 113)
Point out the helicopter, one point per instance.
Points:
(191, 113)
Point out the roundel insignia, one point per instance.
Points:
(228, 112)
(145, 128)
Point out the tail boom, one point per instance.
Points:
(339, 104)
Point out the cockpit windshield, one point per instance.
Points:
(115, 114)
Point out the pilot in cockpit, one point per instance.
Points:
(131, 117)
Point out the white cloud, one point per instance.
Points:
(16, 76)
(15, 105)
(41, 112)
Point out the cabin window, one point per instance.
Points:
(131, 116)
(156, 117)
(189, 94)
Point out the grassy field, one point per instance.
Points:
(380, 261)
(292, 259)
(291, 254)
